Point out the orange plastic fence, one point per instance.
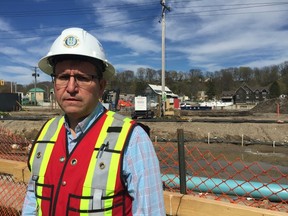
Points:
(11, 195)
(13, 146)
(12, 192)
(207, 175)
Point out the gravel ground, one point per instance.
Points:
(219, 133)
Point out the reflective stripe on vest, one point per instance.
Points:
(38, 167)
(116, 140)
(102, 181)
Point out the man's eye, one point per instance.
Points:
(63, 77)
(82, 78)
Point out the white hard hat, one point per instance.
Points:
(76, 42)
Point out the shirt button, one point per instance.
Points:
(64, 183)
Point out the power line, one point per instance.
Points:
(240, 6)
(141, 7)
(76, 10)
(228, 7)
(175, 3)
(137, 8)
(202, 13)
(86, 25)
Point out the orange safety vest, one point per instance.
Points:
(88, 181)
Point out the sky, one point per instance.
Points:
(209, 35)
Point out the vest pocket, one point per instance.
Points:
(86, 204)
(96, 203)
(44, 194)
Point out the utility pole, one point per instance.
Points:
(35, 74)
(163, 22)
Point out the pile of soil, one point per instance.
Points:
(272, 106)
(192, 128)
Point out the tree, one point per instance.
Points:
(246, 74)
(274, 90)
(195, 79)
(227, 80)
(210, 89)
(140, 87)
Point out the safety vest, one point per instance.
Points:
(87, 181)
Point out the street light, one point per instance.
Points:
(35, 74)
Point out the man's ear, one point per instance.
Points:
(102, 84)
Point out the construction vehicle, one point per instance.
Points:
(141, 108)
(110, 99)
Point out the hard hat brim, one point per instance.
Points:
(45, 66)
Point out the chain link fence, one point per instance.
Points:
(187, 168)
(193, 168)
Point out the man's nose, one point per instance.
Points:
(72, 84)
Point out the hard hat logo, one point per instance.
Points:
(71, 41)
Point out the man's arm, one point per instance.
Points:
(141, 166)
(30, 206)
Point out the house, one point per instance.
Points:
(154, 92)
(228, 96)
(261, 94)
(154, 95)
(246, 94)
(36, 95)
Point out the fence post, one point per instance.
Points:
(182, 161)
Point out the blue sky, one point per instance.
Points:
(200, 34)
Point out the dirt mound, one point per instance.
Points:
(272, 106)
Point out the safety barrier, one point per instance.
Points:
(186, 168)
(13, 148)
(11, 195)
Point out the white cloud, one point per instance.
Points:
(205, 34)
(11, 51)
(136, 43)
(133, 67)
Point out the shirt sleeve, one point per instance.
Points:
(29, 205)
(142, 171)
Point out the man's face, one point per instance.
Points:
(79, 96)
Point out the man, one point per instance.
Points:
(91, 161)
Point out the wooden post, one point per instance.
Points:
(182, 161)
(278, 109)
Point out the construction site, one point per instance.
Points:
(231, 162)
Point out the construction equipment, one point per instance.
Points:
(141, 108)
(110, 99)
